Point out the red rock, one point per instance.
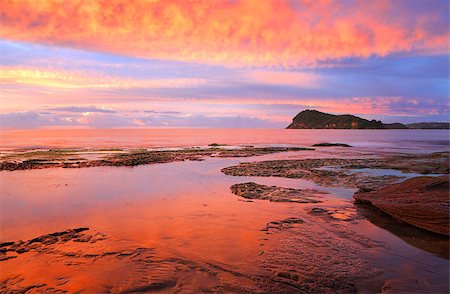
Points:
(422, 202)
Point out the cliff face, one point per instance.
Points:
(313, 119)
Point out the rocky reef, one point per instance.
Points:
(331, 145)
(276, 194)
(318, 255)
(321, 252)
(75, 159)
(344, 172)
(331, 172)
(421, 201)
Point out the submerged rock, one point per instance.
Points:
(283, 224)
(313, 256)
(345, 172)
(331, 172)
(334, 214)
(10, 250)
(421, 201)
(64, 262)
(252, 190)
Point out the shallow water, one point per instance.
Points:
(185, 209)
(195, 235)
(389, 172)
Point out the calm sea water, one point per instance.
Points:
(429, 140)
(186, 210)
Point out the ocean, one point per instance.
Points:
(178, 223)
(401, 140)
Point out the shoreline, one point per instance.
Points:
(68, 158)
(309, 243)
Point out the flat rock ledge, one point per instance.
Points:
(61, 158)
(421, 201)
(252, 190)
(343, 172)
(331, 145)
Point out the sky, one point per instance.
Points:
(233, 63)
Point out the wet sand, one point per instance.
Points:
(177, 227)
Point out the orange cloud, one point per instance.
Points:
(61, 80)
(253, 32)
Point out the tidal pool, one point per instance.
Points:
(177, 227)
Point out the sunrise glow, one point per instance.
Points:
(261, 59)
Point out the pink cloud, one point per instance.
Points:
(286, 78)
(271, 32)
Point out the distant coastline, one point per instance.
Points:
(313, 119)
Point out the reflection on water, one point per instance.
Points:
(400, 140)
(184, 206)
(185, 220)
(389, 172)
(430, 242)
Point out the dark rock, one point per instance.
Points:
(38, 243)
(80, 230)
(340, 172)
(6, 257)
(134, 158)
(22, 250)
(315, 169)
(287, 223)
(318, 210)
(331, 145)
(252, 190)
(6, 244)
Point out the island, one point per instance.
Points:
(313, 119)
